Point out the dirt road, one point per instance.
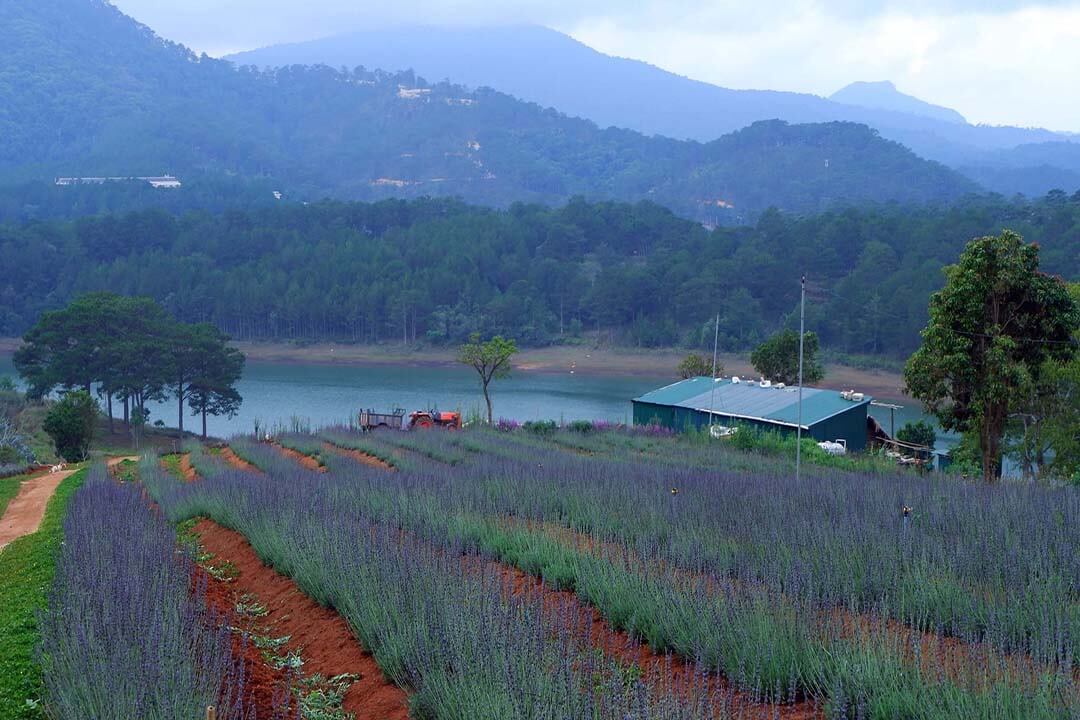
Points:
(25, 511)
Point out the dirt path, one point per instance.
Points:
(236, 461)
(360, 457)
(973, 665)
(308, 462)
(663, 672)
(114, 461)
(323, 638)
(25, 511)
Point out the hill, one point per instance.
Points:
(883, 95)
(618, 92)
(88, 91)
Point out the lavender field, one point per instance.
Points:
(730, 589)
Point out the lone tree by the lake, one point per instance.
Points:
(490, 360)
(992, 328)
(777, 358)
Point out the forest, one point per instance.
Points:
(435, 271)
(89, 92)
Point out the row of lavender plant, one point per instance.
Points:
(125, 634)
(984, 563)
(451, 631)
(773, 646)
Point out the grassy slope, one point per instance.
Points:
(26, 571)
(9, 488)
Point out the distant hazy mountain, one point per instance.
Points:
(883, 95)
(88, 91)
(551, 69)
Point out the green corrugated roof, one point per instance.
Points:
(748, 400)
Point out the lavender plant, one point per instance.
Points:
(451, 630)
(125, 634)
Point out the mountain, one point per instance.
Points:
(549, 68)
(88, 91)
(883, 95)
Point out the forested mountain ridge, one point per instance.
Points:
(620, 92)
(88, 91)
(436, 270)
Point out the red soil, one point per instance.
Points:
(664, 673)
(972, 665)
(323, 638)
(186, 468)
(236, 461)
(187, 472)
(360, 457)
(263, 683)
(307, 461)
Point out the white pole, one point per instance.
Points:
(712, 394)
(802, 332)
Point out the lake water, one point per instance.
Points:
(325, 394)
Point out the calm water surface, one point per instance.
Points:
(325, 394)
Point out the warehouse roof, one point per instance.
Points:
(750, 401)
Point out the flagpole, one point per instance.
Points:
(802, 332)
(712, 394)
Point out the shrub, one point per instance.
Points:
(70, 423)
(917, 433)
(541, 427)
(581, 426)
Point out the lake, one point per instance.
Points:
(324, 394)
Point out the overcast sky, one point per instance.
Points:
(997, 62)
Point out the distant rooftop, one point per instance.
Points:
(158, 181)
(748, 400)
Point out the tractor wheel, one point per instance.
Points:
(424, 423)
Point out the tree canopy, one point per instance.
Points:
(128, 348)
(777, 359)
(992, 327)
(435, 271)
(490, 359)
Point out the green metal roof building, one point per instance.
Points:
(826, 414)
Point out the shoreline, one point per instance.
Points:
(659, 364)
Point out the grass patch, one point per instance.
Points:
(26, 572)
(9, 488)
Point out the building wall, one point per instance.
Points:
(849, 425)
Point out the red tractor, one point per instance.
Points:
(432, 418)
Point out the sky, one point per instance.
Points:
(999, 62)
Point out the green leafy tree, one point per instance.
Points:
(212, 391)
(198, 359)
(777, 358)
(917, 433)
(1045, 431)
(697, 365)
(70, 424)
(992, 327)
(63, 348)
(490, 360)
